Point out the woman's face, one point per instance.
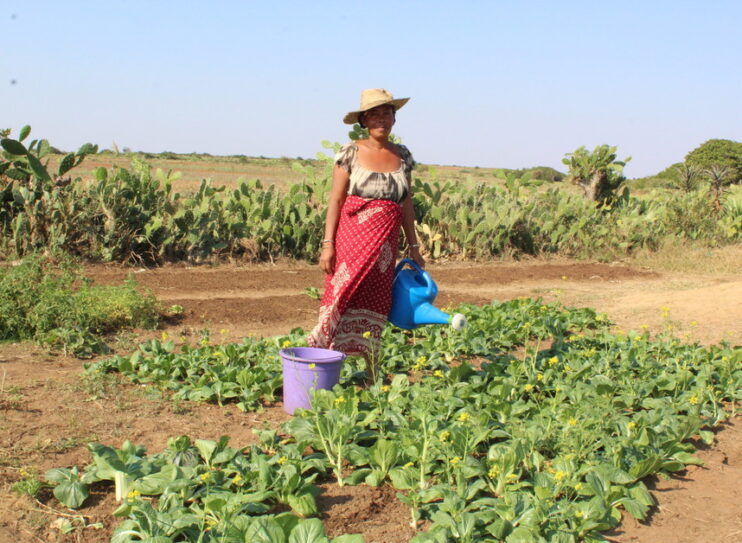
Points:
(379, 119)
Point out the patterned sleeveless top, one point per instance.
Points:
(372, 185)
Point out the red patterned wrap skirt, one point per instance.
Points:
(358, 294)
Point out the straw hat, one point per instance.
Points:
(371, 98)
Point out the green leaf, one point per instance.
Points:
(265, 530)
(66, 164)
(206, 447)
(156, 483)
(101, 173)
(71, 493)
(303, 504)
(18, 175)
(38, 168)
(522, 535)
(13, 147)
(687, 458)
(403, 478)
(634, 508)
(43, 148)
(58, 475)
(106, 461)
(309, 531)
(384, 454)
(25, 131)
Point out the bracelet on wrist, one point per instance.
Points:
(328, 241)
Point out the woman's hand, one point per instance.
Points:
(327, 258)
(417, 257)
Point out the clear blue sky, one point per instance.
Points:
(493, 83)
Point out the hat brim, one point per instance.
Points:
(352, 117)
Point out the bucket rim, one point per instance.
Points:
(288, 354)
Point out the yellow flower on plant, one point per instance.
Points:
(164, 336)
(420, 363)
(367, 334)
(560, 475)
(133, 494)
(528, 387)
(578, 486)
(693, 400)
(23, 472)
(339, 401)
(438, 373)
(205, 476)
(493, 472)
(553, 361)
(463, 417)
(204, 342)
(237, 479)
(444, 435)
(631, 425)
(540, 377)
(312, 366)
(455, 460)
(572, 421)
(281, 461)
(579, 514)
(567, 368)
(286, 344)
(385, 388)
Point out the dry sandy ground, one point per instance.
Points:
(48, 414)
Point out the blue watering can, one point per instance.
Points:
(413, 293)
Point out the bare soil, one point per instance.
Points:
(48, 412)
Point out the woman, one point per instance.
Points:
(370, 199)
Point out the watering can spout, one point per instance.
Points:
(413, 294)
(429, 314)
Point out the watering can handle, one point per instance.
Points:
(422, 272)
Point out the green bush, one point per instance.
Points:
(53, 304)
(134, 216)
(720, 153)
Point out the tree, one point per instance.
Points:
(598, 173)
(718, 152)
(687, 177)
(719, 177)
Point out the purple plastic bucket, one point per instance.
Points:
(305, 369)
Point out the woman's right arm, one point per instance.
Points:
(340, 182)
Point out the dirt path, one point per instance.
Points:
(48, 413)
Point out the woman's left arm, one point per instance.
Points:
(408, 225)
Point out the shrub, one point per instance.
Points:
(718, 152)
(54, 304)
(599, 172)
